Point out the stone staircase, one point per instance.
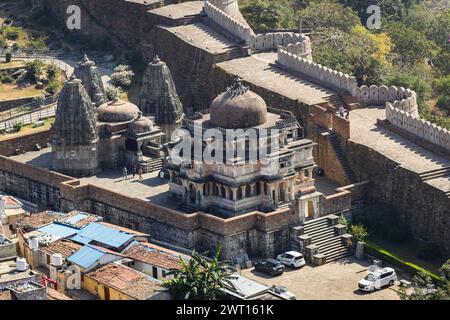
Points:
(335, 100)
(332, 138)
(433, 174)
(192, 18)
(323, 240)
(154, 164)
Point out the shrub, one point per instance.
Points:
(52, 72)
(18, 126)
(34, 69)
(52, 87)
(13, 33)
(8, 57)
(113, 93)
(7, 79)
(428, 251)
(359, 232)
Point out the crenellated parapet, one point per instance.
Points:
(298, 42)
(417, 126)
(230, 24)
(317, 72)
(401, 98)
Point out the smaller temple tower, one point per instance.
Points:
(87, 72)
(74, 133)
(159, 98)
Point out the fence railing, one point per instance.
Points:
(27, 108)
(29, 118)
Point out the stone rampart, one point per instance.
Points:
(316, 72)
(417, 126)
(230, 24)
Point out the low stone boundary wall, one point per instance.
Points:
(417, 126)
(25, 142)
(323, 75)
(302, 49)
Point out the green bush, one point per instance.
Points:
(18, 126)
(393, 259)
(8, 57)
(34, 69)
(6, 79)
(359, 232)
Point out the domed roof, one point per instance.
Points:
(140, 125)
(238, 107)
(117, 111)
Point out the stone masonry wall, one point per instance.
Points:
(422, 207)
(24, 142)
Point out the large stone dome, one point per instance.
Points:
(238, 107)
(117, 111)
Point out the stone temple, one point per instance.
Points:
(159, 98)
(87, 72)
(232, 183)
(86, 139)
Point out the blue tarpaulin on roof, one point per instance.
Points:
(104, 235)
(59, 230)
(86, 256)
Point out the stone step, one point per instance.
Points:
(321, 232)
(317, 227)
(339, 256)
(330, 243)
(335, 250)
(322, 223)
(327, 240)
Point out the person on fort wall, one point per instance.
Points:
(125, 173)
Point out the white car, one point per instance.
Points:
(378, 278)
(292, 259)
(283, 292)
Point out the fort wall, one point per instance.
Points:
(421, 207)
(316, 72)
(401, 98)
(419, 127)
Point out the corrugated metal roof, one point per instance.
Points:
(105, 235)
(59, 230)
(86, 256)
(81, 239)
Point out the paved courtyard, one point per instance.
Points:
(334, 281)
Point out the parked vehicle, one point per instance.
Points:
(378, 278)
(283, 292)
(270, 266)
(292, 259)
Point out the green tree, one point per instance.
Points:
(321, 16)
(34, 69)
(422, 285)
(268, 15)
(199, 279)
(445, 270)
(8, 57)
(411, 46)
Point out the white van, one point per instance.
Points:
(292, 259)
(378, 278)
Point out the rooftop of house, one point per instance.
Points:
(5, 295)
(126, 280)
(52, 294)
(88, 255)
(65, 247)
(35, 221)
(104, 235)
(9, 272)
(246, 288)
(155, 255)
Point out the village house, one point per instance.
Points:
(118, 282)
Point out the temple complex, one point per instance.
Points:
(266, 167)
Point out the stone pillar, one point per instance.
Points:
(234, 192)
(253, 189)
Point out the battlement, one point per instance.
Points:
(229, 23)
(321, 74)
(417, 126)
(401, 98)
